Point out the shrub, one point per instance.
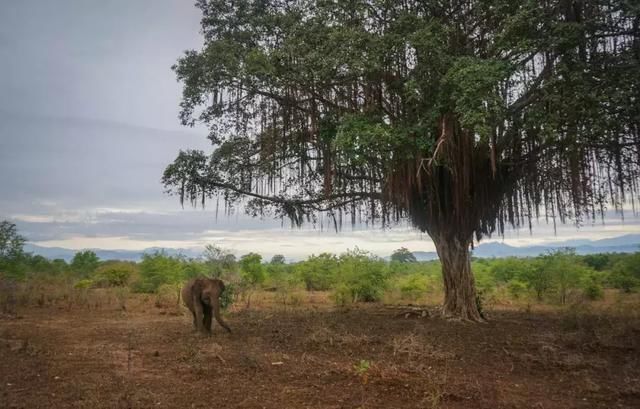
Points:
(83, 284)
(318, 273)
(84, 263)
(625, 273)
(342, 295)
(158, 269)
(517, 289)
(363, 275)
(227, 296)
(566, 271)
(168, 295)
(507, 269)
(251, 269)
(115, 274)
(593, 291)
(122, 295)
(414, 286)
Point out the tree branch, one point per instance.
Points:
(299, 202)
(528, 96)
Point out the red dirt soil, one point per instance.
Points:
(317, 357)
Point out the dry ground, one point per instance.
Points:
(314, 356)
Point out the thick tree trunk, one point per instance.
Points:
(459, 284)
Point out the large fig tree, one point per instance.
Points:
(461, 116)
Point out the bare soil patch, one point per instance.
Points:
(317, 357)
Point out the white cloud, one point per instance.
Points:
(128, 230)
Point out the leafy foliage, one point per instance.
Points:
(625, 273)
(115, 274)
(219, 262)
(462, 116)
(251, 269)
(85, 263)
(159, 269)
(402, 255)
(11, 243)
(452, 114)
(318, 272)
(12, 256)
(566, 270)
(363, 276)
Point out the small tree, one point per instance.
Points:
(280, 277)
(318, 273)
(625, 273)
(277, 272)
(84, 263)
(278, 259)
(252, 274)
(566, 271)
(59, 265)
(11, 251)
(159, 269)
(538, 278)
(403, 255)
(115, 274)
(11, 243)
(506, 269)
(362, 275)
(218, 260)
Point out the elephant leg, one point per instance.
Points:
(195, 322)
(207, 318)
(199, 314)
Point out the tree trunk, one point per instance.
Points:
(459, 284)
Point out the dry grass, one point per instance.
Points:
(306, 355)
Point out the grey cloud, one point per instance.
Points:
(75, 75)
(177, 226)
(81, 163)
(96, 59)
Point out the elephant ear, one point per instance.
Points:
(221, 284)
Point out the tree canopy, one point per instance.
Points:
(403, 255)
(463, 117)
(11, 243)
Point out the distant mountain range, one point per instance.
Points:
(623, 244)
(124, 255)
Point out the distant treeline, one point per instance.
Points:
(354, 276)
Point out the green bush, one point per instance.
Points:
(517, 289)
(566, 271)
(83, 284)
(507, 269)
(252, 271)
(625, 273)
(414, 286)
(342, 295)
(84, 263)
(168, 295)
(227, 296)
(115, 274)
(318, 273)
(158, 269)
(593, 291)
(365, 276)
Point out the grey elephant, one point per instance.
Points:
(202, 297)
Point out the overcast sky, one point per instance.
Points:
(88, 122)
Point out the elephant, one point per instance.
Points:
(202, 296)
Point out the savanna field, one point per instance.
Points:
(329, 332)
(438, 124)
